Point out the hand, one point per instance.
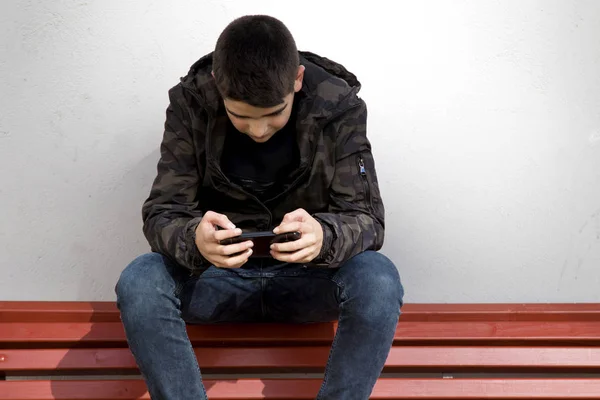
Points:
(208, 238)
(305, 249)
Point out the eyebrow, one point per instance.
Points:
(266, 115)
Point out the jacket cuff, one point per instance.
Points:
(321, 259)
(195, 260)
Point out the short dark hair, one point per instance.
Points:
(256, 61)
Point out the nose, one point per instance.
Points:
(258, 129)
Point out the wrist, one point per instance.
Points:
(197, 259)
(326, 241)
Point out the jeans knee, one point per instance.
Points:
(141, 281)
(375, 283)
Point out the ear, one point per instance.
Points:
(299, 79)
(213, 74)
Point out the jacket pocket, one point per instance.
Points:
(362, 170)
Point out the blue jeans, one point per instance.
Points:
(156, 299)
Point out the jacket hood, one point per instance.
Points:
(327, 85)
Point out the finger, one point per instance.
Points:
(226, 234)
(236, 261)
(296, 215)
(295, 226)
(299, 256)
(303, 242)
(230, 249)
(220, 220)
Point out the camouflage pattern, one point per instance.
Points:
(336, 181)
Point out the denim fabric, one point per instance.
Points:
(157, 298)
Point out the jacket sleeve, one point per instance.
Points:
(171, 213)
(355, 218)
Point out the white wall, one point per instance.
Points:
(484, 117)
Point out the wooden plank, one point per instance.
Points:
(91, 334)
(314, 357)
(107, 312)
(551, 312)
(304, 389)
(58, 311)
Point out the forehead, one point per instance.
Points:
(247, 110)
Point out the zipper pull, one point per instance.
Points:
(361, 166)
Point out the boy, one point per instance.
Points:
(259, 136)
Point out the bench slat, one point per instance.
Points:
(432, 332)
(409, 357)
(386, 388)
(48, 311)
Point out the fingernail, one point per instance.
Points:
(250, 244)
(231, 226)
(238, 231)
(276, 230)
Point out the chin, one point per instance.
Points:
(261, 139)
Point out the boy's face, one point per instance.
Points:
(262, 123)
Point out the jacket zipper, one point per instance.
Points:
(363, 173)
(223, 176)
(310, 161)
(269, 214)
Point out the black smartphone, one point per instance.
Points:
(262, 241)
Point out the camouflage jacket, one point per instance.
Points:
(335, 182)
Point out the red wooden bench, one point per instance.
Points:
(73, 350)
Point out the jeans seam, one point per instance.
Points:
(342, 288)
(263, 306)
(179, 285)
(336, 337)
(196, 364)
(178, 288)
